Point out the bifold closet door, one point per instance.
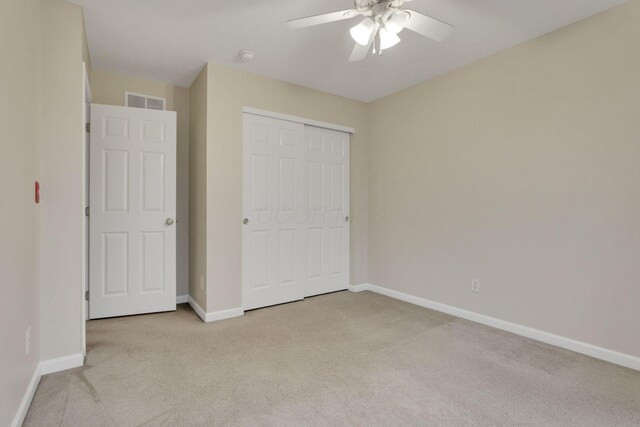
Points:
(327, 227)
(295, 236)
(273, 225)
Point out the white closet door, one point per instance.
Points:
(133, 207)
(274, 225)
(327, 201)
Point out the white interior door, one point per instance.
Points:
(328, 204)
(296, 207)
(133, 207)
(273, 229)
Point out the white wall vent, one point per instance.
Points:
(137, 100)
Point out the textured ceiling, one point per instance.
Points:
(170, 40)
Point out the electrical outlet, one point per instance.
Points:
(475, 285)
(28, 340)
(202, 282)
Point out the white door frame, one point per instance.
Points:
(86, 101)
(296, 119)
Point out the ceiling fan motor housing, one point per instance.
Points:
(379, 10)
(361, 5)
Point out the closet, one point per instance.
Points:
(295, 235)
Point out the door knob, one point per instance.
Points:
(346, 219)
(169, 221)
(245, 221)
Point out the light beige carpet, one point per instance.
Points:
(340, 359)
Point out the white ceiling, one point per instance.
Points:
(170, 40)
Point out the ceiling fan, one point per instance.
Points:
(383, 20)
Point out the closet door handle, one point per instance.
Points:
(347, 219)
(245, 221)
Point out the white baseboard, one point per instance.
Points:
(215, 315)
(43, 368)
(359, 288)
(27, 398)
(61, 363)
(225, 314)
(594, 351)
(182, 299)
(199, 311)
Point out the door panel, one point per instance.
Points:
(287, 252)
(115, 259)
(335, 250)
(314, 269)
(272, 191)
(259, 258)
(336, 186)
(152, 261)
(316, 191)
(115, 185)
(152, 170)
(133, 193)
(328, 201)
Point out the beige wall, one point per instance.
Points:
(521, 170)
(198, 189)
(108, 88)
(228, 91)
(19, 86)
(85, 50)
(61, 180)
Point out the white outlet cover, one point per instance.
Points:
(475, 285)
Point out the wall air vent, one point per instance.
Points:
(137, 100)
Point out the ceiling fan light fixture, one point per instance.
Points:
(361, 33)
(388, 39)
(397, 21)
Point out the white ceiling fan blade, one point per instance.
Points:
(325, 18)
(361, 51)
(428, 27)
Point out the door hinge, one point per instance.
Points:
(86, 211)
(86, 295)
(87, 127)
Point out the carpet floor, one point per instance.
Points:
(339, 359)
